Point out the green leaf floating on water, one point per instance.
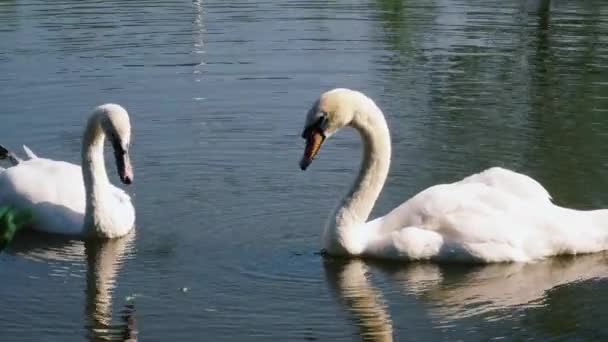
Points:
(11, 220)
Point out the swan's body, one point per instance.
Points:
(67, 199)
(494, 216)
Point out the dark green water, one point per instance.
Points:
(227, 224)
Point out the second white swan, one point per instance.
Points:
(67, 199)
(494, 216)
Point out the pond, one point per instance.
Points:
(228, 227)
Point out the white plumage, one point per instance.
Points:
(61, 200)
(495, 216)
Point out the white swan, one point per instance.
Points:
(67, 199)
(494, 216)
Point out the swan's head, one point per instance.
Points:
(333, 110)
(114, 121)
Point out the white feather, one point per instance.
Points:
(29, 152)
(59, 196)
(494, 216)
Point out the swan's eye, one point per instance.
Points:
(318, 125)
(323, 117)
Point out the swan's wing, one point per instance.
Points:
(473, 221)
(29, 152)
(495, 188)
(461, 221)
(515, 183)
(54, 191)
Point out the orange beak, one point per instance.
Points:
(313, 143)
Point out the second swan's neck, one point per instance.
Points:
(355, 208)
(94, 176)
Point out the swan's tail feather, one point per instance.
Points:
(11, 221)
(6, 154)
(29, 152)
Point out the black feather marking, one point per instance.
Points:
(6, 154)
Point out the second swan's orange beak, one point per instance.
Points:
(314, 139)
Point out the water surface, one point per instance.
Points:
(227, 225)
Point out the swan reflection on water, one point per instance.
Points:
(455, 292)
(349, 280)
(103, 260)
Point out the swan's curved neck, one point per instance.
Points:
(356, 206)
(94, 176)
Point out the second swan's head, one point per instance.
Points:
(115, 123)
(333, 110)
